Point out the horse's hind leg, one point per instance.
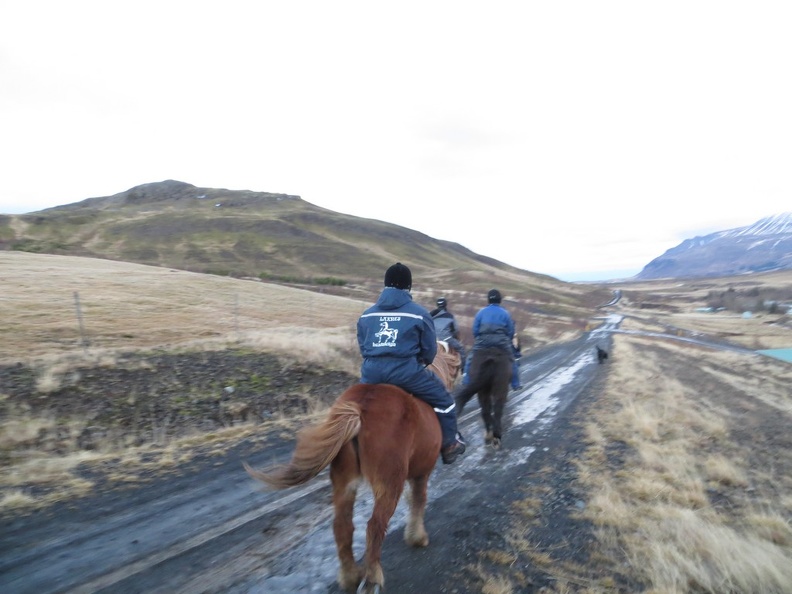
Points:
(485, 404)
(414, 532)
(385, 500)
(500, 373)
(499, 394)
(344, 475)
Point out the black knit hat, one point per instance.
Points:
(494, 296)
(398, 276)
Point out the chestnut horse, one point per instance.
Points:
(384, 435)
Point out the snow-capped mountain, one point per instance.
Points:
(766, 245)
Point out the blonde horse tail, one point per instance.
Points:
(316, 447)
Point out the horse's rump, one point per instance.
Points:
(492, 367)
(379, 416)
(395, 425)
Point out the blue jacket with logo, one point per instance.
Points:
(397, 340)
(398, 328)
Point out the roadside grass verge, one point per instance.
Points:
(685, 480)
(701, 500)
(31, 479)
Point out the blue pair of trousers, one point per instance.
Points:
(416, 379)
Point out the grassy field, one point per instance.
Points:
(700, 497)
(64, 306)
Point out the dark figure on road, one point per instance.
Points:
(602, 354)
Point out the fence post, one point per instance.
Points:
(236, 313)
(83, 340)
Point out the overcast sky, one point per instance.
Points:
(578, 139)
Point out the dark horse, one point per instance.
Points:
(380, 433)
(490, 374)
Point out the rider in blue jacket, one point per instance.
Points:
(493, 331)
(397, 341)
(500, 325)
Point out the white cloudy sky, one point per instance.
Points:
(574, 138)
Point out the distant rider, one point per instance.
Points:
(446, 327)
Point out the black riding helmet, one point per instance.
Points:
(441, 302)
(494, 296)
(399, 277)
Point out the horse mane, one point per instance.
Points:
(446, 365)
(316, 447)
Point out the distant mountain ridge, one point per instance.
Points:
(761, 247)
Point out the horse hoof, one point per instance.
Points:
(367, 587)
(496, 443)
(488, 437)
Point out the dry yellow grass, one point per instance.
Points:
(657, 510)
(125, 306)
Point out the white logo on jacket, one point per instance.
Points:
(386, 335)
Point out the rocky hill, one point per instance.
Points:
(762, 247)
